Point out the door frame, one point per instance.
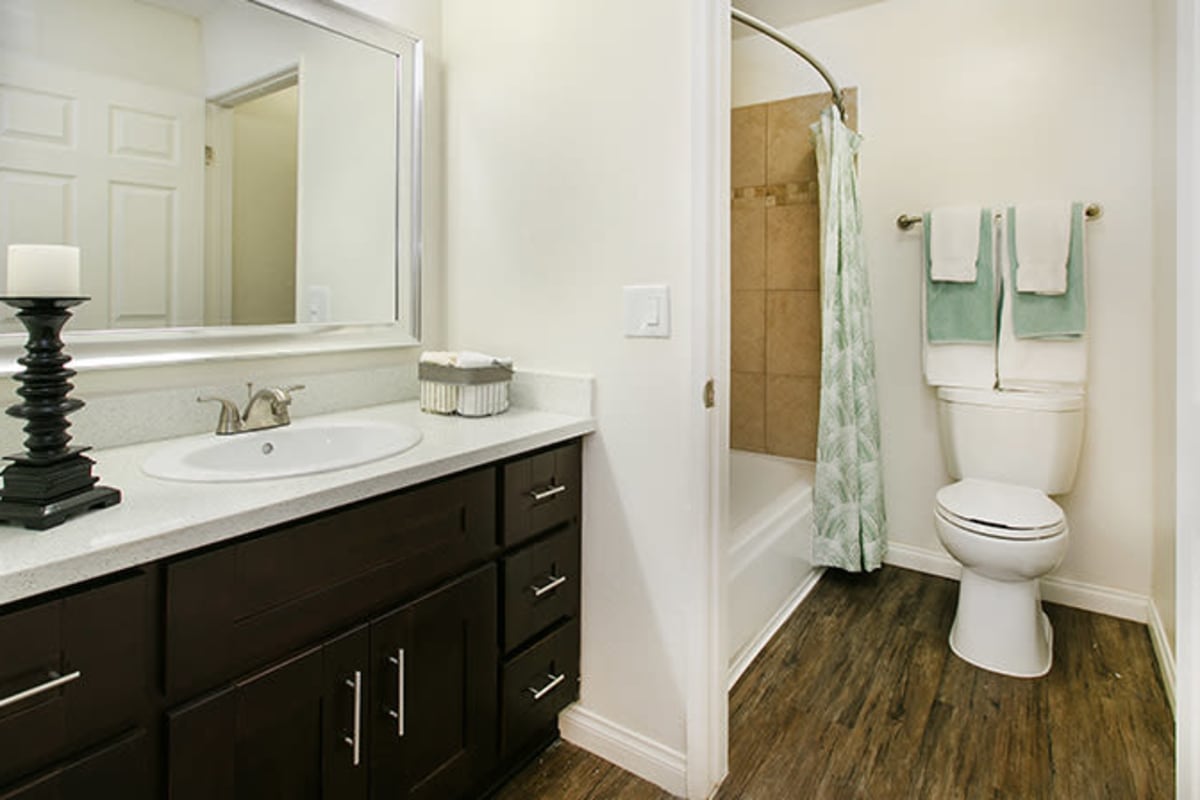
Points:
(707, 691)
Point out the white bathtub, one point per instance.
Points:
(768, 549)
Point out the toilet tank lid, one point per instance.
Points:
(996, 398)
(1001, 504)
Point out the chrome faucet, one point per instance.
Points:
(266, 408)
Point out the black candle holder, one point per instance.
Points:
(51, 480)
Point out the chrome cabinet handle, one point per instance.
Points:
(555, 680)
(398, 714)
(554, 583)
(55, 681)
(355, 739)
(539, 495)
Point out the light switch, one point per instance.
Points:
(648, 311)
(317, 304)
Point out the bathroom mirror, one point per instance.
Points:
(237, 173)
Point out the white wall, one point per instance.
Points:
(999, 103)
(568, 176)
(1187, 731)
(133, 41)
(1163, 565)
(346, 181)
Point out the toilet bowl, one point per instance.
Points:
(1006, 537)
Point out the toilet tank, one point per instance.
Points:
(1024, 438)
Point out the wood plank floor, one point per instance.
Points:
(859, 696)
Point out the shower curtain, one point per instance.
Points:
(851, 529)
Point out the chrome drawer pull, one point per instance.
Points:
(554, 583)
(539, 495)
(355, 740)
(555, 680)
(55, 681)
(398, 714)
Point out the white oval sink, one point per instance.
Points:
(299, 449)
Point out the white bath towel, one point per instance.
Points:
(463, 359)
(953, 243)
(970, 365)
(1035, 364)
(1043, 236)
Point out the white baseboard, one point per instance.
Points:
(751, 650)
(1064, 591)
(1162, 651)
(630, 751)
(1101, 599)
(931, 562)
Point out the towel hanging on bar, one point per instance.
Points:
(906, 221)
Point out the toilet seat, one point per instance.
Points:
(1000, 510)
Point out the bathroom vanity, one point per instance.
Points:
(415, 640)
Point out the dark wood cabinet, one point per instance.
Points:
(293, 731)
(119, 768)
(73, 669)
(417, 645)
(434, 724)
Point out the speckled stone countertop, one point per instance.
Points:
(159, 518)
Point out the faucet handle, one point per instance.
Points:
(293, 388)
(230, 420)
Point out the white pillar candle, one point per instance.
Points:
(43, 270)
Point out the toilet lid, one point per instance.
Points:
(1015, 512)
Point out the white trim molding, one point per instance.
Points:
(627, 749)
(706, 699)
(1055, 589)
(1162, 652)
(751, 650)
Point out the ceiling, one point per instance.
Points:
(784, 13)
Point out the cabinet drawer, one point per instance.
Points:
(72, 670)
(117, 769)
(234, 608)
(541, 586)
(540, 492)
(537, 684)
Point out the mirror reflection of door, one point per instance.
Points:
(263, 269)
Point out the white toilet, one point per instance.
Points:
(1009, 450)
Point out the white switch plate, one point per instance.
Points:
(648, 311)
(317, 304)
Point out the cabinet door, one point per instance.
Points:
(434, 701)
(291, 731)
(116, 769)
(73, 670)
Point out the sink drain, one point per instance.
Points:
(268, 448)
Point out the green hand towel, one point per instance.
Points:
(1042, 316)
(963, 313)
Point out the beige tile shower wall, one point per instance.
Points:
(775, 313)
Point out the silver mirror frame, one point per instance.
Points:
(148, 347)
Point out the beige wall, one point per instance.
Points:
(264, 209)
(775, 302)
(998, 103)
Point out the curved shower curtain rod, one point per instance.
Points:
(764, 28)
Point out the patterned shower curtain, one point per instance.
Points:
(851, 528)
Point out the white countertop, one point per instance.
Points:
(158, 518)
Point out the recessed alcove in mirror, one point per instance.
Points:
(138, 131)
